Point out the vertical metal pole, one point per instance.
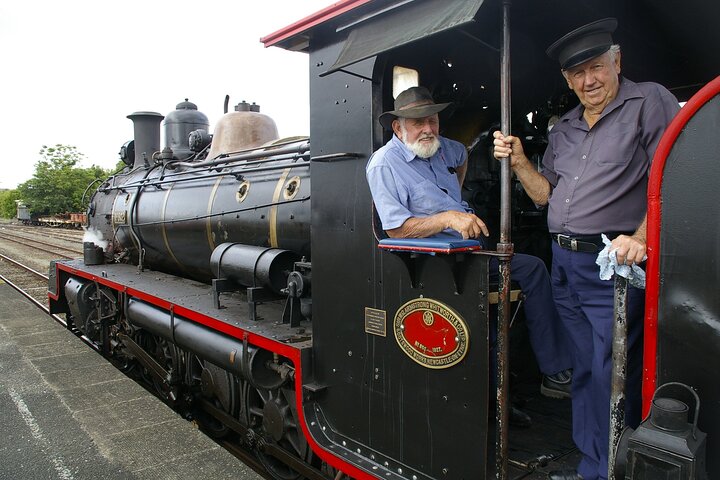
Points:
(619, 371)
(505, 126)
(504, 246)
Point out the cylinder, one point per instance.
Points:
(253, 266)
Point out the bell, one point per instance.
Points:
(665, 445)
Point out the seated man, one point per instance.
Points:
(415, 180)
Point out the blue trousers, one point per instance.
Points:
(545, 329)
(585, 304)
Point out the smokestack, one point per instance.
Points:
(147, 135)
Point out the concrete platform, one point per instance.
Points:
(68, 414)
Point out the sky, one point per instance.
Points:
(72, 71)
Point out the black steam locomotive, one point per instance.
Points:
(239, 274)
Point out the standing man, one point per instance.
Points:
(415, 181)
(594, 180)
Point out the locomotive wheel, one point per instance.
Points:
(273, 414)
(220, 388)
(169, 357)
(146, 341)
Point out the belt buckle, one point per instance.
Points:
(560, 238)
(572, 241)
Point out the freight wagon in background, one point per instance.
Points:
(62, 220)
(23, 214)
(243, 281)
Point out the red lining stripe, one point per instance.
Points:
(287, 351)
(310, 21)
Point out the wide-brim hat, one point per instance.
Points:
(584, 43)
(415, 102)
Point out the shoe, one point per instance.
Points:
(520, 419)
(564, 475)
(557, 385)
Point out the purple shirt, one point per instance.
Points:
(404, 185)
(600, 175)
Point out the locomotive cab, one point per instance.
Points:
(406, 385)
(359, 61)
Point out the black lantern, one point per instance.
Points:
(665, 446)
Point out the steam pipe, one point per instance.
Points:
(215, 347)
(168, 178)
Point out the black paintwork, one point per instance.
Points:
(689, 303)
(461, 66)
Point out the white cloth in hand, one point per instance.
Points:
(607, 261)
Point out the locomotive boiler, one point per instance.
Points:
(264, 305)
(175, 206)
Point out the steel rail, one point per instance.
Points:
(39, 304)
(35, 302)
(29, 269)
(39, 248)
(41, 231)
(10, 236)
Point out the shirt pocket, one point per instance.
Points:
(619, 145)
(425, 198)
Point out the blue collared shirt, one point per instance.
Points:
(404, 185)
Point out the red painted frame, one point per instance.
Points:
(653, 234)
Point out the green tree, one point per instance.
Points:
(58, 184)
(8, 207)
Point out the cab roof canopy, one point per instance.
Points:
(670, 42)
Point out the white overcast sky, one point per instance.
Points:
(71, 71)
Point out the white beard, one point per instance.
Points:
(419, 148)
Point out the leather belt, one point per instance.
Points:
(579, 243)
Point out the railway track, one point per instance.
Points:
(32, 285)
(24, 258)
(16, 251)
(23, 264)
(41, 245)
(24, 284)
(71, 236)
